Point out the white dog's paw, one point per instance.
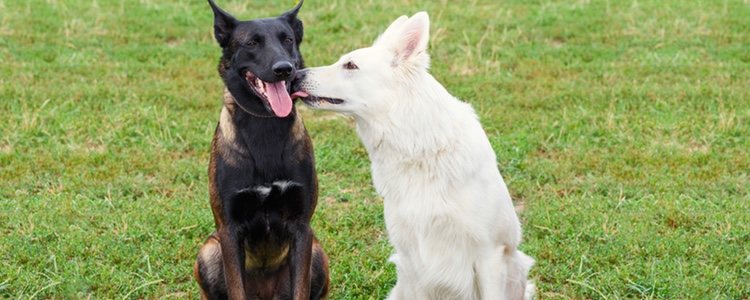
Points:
(530, 292)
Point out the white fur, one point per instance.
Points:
(284, 184)
(447, 210)
(263, 190)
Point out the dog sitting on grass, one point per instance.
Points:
(447, 209)
(262, 179)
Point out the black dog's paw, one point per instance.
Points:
(287, 196)
(246, 201)
(285, 192)
(256, 194)
(283, 198)
(285, 189)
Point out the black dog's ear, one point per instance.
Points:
(224, 23)
(291, 18)
(292, 14)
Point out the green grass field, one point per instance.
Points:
(622, 128)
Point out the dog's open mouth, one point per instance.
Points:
(275, 94)
(315, 100)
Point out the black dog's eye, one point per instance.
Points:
(350, 66)
(252, 43)
(288, 41)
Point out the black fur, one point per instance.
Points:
(256, 46)
(264, 218)
(255, 215)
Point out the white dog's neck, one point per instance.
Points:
(422, 124)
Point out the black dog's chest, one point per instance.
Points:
(263, 151)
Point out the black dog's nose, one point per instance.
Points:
(282, 69)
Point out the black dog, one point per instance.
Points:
(262, 178)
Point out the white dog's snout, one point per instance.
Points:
(308, 83)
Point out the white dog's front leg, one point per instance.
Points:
(396, 292)
(406, 291)
(502, 274)
(406, 285)
(490, 272)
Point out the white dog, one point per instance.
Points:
(447, 210)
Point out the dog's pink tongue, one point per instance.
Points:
(278, 97)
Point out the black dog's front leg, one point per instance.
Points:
(232, 258)
(300, 262)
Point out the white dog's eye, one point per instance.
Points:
(350, 66)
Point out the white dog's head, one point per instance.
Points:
(370, 80)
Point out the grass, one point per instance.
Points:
(621, 127)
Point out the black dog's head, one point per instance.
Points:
(260, 58)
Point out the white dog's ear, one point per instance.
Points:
(388, 34)
(410, 45)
